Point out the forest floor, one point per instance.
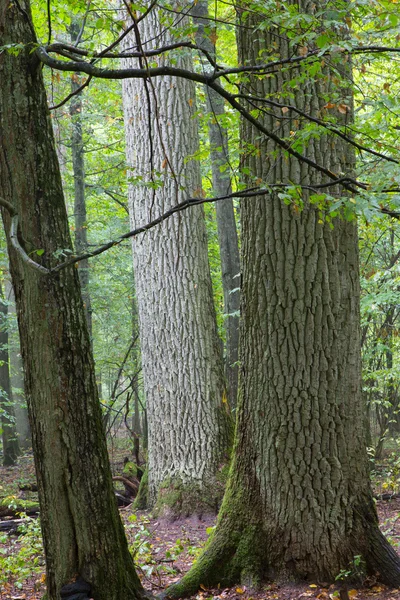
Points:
(164, 551)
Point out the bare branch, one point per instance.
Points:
(72, 94)
(19, 249)
(72, 52)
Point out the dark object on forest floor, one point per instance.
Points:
(12, 509)
(122, 500)
(386, 496)
(131, 485)
(28, 487)
(12, 525)
(76, 590)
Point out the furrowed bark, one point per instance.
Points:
(227, 232)
(298, 504)
(82, 532)
(187, 408)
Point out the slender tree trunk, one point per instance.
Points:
(298, 503)
(227, 232)
(78, 165)
(82, 532)
(11, 448)
(17, 377)
(187, 409)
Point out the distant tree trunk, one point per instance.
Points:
(298, 503)
(78, 165)
(187, 408)
(136, 425)
(82, 531)
(227, 232)
(17, 377)
(11, 448)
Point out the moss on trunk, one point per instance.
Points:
(141, 500)
(178, 500)
(298, 504)
(83, 535)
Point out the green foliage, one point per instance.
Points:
(146, 552)
(21, 557)
(130, 469)
(355, 570)
(321, 37)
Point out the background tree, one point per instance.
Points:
(17, 373)
(221, 185)
(78, 164)
(11, 448)
(187, 408)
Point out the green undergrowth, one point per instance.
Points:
(153, 560)
(21, 557)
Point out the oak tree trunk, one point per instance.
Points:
(227, 232)
(298, 503)
(82, 532)
(187, 409)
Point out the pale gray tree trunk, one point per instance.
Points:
(82, 532)
(17, 377)
(298, 503)
(187, 408)
(227, 232)
(11, 449)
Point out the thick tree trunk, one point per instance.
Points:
(82, 532)
(227, 232)
(298, 503)
(11, 448)
(187, 411)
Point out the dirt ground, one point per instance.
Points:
(164, 551)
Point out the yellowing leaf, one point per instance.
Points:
(313, 585)
(343, 108)
(190, 101)
(240, 590)
(352, 594)
(213, 37)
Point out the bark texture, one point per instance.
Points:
(298, 503)
(227, 232)
(187, 409)
(82, 532)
